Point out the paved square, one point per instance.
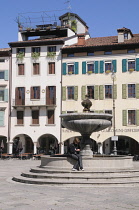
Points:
(18, 196)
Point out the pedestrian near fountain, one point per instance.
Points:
(74, 151)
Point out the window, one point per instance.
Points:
(21, 69)
(108, 66)
(52, 49)
(131, 65)
(2, 60)
(90, 92)
(130, 51)
(20, 96)
(90, 67)
(36, 68)
(108, 91)
(20, 117)
(1, 94)
(125, 35)
(35, 117)
(36, 49)
(2, 113)
(21, 50)
(50, 116)
(131, 91)
(70, 68)
(35, 92)
(1, 74)
(90, 53)
(131, 117)
(70, 92)
(108, 111)
(51, 95)
(70, 55)
(51, 68)
(107, 52)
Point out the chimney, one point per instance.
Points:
(81, 39)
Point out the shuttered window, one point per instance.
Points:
(35, 92)
(21, 69)
(70, 92)
(131, 117)
(131, 90)
(20, 117)
(35, 117)
(90, 92)
(51, 95)
(51, 67)
(2, 118)
(36, 68)
(50, 116)
(108, 91)
(20, 96)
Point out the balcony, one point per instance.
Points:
(34, 102)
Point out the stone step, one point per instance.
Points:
(79, 175)
(77, 182)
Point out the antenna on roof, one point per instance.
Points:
(69, 5)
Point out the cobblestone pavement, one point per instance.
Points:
(18, 196)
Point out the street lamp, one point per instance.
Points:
(114, 138)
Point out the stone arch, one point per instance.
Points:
(26, 142)
(48, 144)
(126, 145)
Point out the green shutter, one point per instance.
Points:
(137, 117)
(63, 93)
(96, 67)
(64, 69)
(6, 95)
(96, 92)
(1, 118)
(124, 117)
(124, 92)
(83, 90)
(137, 90)
(76, 67)
(6, 76)
(114, 62)
(124, 65)
(101, 66)
(84, 67)
(76, 93)
(115, 91)
(137, 64)
(101, 92)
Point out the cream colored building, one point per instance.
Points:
(87, 69)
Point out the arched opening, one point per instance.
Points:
(48, 144)
(125, 146)
(3, 144)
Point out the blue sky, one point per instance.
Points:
(103, 17)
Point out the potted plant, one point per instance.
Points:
(51, 54)
(35, 55)
(20, 56)
(108, 71)
(89, 72)
(70, 72)
(131, 70)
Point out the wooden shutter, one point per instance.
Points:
(76, 67)
(20, 115)
(64, 68)
(83, 90)
(101, 66)
(52, 68)
(1, 118)
(63, 93)
(124, 91)
(137, 117)
(96, 67)
(31, 93)
(96, 92)
(83, 67)
(6, 95)
(101, 92)
(115, 91)
(38, 92)
(35, 116)
(114, 62)
(137, 91)
(20, 69)
(137, 64)
(47, 95)
(6, 75)
(124, 117)
(50, 116)
(54, 99)
(36, 68)
(76, 93)
(124, 65)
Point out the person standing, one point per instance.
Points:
(74, 151)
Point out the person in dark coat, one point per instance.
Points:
(74, 151)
